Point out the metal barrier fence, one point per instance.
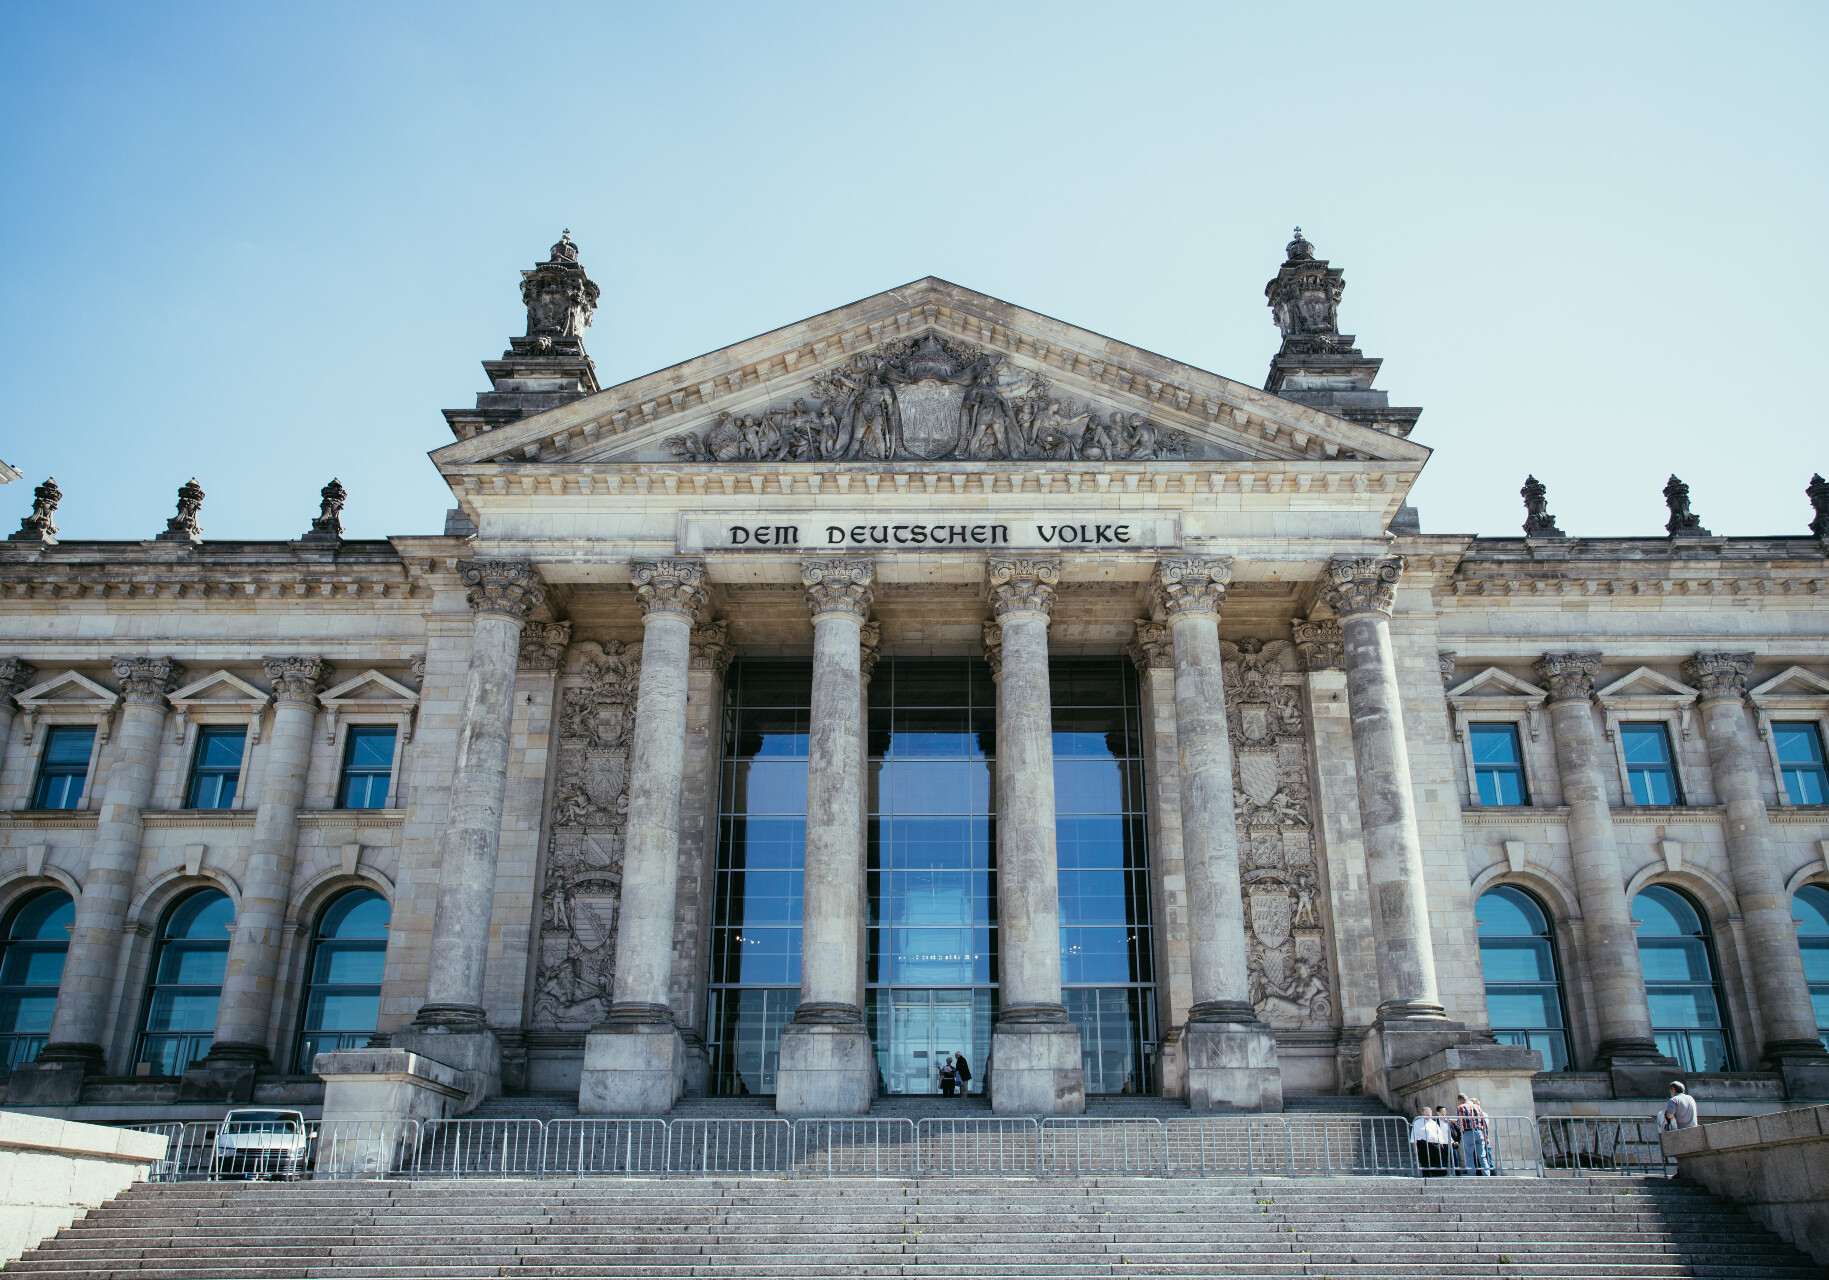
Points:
(1007, 1146)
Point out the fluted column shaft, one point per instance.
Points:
(671, 594)
(1610, 945)
(1736, 761)
(1360, 592)
(88, 985)
(502, 593)
(246, 1007)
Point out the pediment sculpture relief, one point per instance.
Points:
(581, 893)
(1278, 877)
(927, 399)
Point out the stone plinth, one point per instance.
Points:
(1036, 1070)
(1231, 1066)
(387, 1084)
(638, 1069)
(471, 1051)
(826, 1070)
(1427, 1061)
(52, 1170)
(1774, 1166)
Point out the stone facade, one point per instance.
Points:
(926, 473)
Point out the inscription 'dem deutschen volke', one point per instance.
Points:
(927, 534)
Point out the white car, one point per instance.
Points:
(260, 1143)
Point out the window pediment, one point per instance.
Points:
(68, 694)
(1647, 694)
(218, 692)
(1495, 690)
(369, 691)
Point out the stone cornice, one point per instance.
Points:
(243, 572)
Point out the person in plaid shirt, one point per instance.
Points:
(1476, 1141)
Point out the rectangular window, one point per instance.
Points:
(1498, 765)
(63, 769)
(216, 768)
(1800, 759)
(1651, 770)
(368, 767)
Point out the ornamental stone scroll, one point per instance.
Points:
(842, 586)
(1361, 584)
(669, 586)
(510, 588)
(1191, 584)
(1023, 585)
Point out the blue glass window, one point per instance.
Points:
(343, 986)
(368, 767)
(32, 950)
(187, 967)
(1800, 759)
(1523, 978)
(64, 767)
(1651, 770)
(1810, 908)
(1677, 954)
(216, 767)
(1498, 764)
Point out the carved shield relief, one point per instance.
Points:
(1257, 773)
(931, 417)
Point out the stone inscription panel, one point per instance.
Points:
(875, 531)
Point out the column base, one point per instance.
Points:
(55, 1078)
(828, 1065)
(1231, 1060)
(456, 1036)
(1804, 1066)
(387, 1084)
(1636, 1068)
(634, 1064)
(1035, 1064)
(1415, 1062)
(225, 1074)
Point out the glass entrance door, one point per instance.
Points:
(926, 1026)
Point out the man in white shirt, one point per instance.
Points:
(1680, 1111)
(1426, 1135)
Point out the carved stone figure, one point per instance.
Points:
(328, 524)
(40, 527)
(1538, 522)
(1305, 296)
(559, 297)
(1817, 491)
(1683, 522)
(183, 527)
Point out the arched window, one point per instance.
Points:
(1523, 979)
(1810, 908)
(187, 966)
(32, 948)
(343, 984)
(1677, 953)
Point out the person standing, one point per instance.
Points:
(1476, 1142)
(1680, 1111)
(964, 1072)
(1422, 1137)
(1447, 1137)
(949, 1076)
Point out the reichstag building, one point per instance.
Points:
(927, 678)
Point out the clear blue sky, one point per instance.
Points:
(266, 244)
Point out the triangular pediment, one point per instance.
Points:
(1793, 682)
(1643, 682)
(925, 373)
(219, 686)
(1495, 683)
(369, 686)
(68, 689)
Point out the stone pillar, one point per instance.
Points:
(1610, 946)
(1230, 1054)
(1737, 761)
(828, 1066)
(1153, 654)
(451, 1026)
(91, 966)
(245, 1010)
(712, 652)
(1035, 1051)
(635, 1063)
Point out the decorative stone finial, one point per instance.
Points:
(1719, 675)
(1299, 249)
(183, 527)
(1361, 584)
(1152, 646)
(1538, 522)
(543, 645)
(1305, 295)
(328, 524)
(147, 680)
(1319, 645)
(1683, 522)
(669, 586)
(1021, 586)
(39, 526)
(843, 586)
(560, 298)
(1570, 676)
(510, 588)
(1817, 491)
(297, 678)
(1191, 584)
(712, 649)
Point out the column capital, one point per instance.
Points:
(669, 586)
(993, 648)
(870, 648)
(1719, 675)
(1022, 585)
(1152, 646)
(1570, 676)
(1319, 645)
(839, 586)
(1191, 584)
(1444, 663)
(15, 674)
(147, 680)
(1361, 584)
(296, 678)
(510, 588)
(712, 649)
(543, 645)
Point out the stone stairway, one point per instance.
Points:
(1371, 1228)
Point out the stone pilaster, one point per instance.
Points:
(245, 1011)
(828, 1066)
(712, 652)
(1736, 760)
(1035, 1050)
(1153, 653)
(87, 988)
(15, 674)
(635, 1063)
(1231, 1055)
(1610, 947)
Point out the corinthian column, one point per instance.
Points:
(1784, 1015)
(88, 985)
(1231, 1055)
(1609, 943)
(635, 1063)
(245, 1010)
(450, 1026)
(1360, 593)
(1035, 1050)
(827, 1064)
